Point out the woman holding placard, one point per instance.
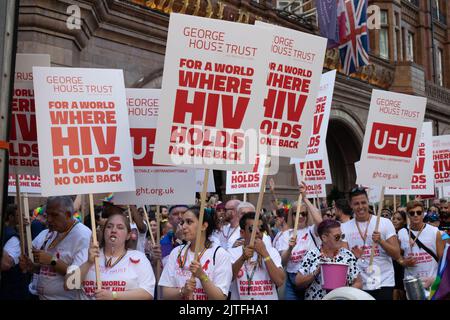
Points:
(212, 270)
(125, 274)
(293, 247)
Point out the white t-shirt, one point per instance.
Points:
(253, 282)
(220, 272)
(72, 250)
(426, 265)
(382, 270)
(140, 246)
(304, 244)
(133, 271)
(12, 248)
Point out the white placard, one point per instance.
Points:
(422, 182)
(23, 147)
(30, 184)
(246, 182)
(199, 175)
(441, 159)
(83, 131)
(212, 92)
(391, 140)
(317, 142)
(295, 71)
(157, 185)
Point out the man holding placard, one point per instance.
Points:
(388, 156)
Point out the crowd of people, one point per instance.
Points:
(281, 263)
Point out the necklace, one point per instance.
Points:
(108, 261)
(56, 241)
(411, 242)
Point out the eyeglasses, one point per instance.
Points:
(413, 213)
(339, 237)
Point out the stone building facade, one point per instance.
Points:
(131, 35)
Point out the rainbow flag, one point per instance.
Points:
(440, 289)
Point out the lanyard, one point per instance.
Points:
(363, 237)
(249, 278)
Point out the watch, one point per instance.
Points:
(53, 262)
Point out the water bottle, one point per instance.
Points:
(414, 288)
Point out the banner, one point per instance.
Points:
(295, 71)
(28, 184)
(23, 147)
(212, 90)
(199, 175)
(239, 182)
(422, 182)
(317, 142)
(391, 140)
(83, 131)
(441, 158)
(157, 185)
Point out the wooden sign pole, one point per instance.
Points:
(28, 226)
(380, 206)
(19, 208)
(94, 240)
(260, 200)
(148, 225)
(200, 219)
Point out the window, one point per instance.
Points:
(410, 47)
(296, 7)
(384, 35)
(440, 67)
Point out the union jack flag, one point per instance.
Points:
(353, 37)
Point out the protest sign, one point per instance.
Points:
(83, 131)
(315, 171)
(199, 175)
(23, 147)
(373, 192)
(295, 71)
(422, 182)
(391, 139)
(246, 182)
(154, 184)
(212, 89)
(30, 184)
(441, 159)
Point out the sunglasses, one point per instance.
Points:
(358, 189)
(250, 228)
(413, 213)
(328, 215)
(339, 237)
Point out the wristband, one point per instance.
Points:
(267, 258)
(204, 278)
(114, 295)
